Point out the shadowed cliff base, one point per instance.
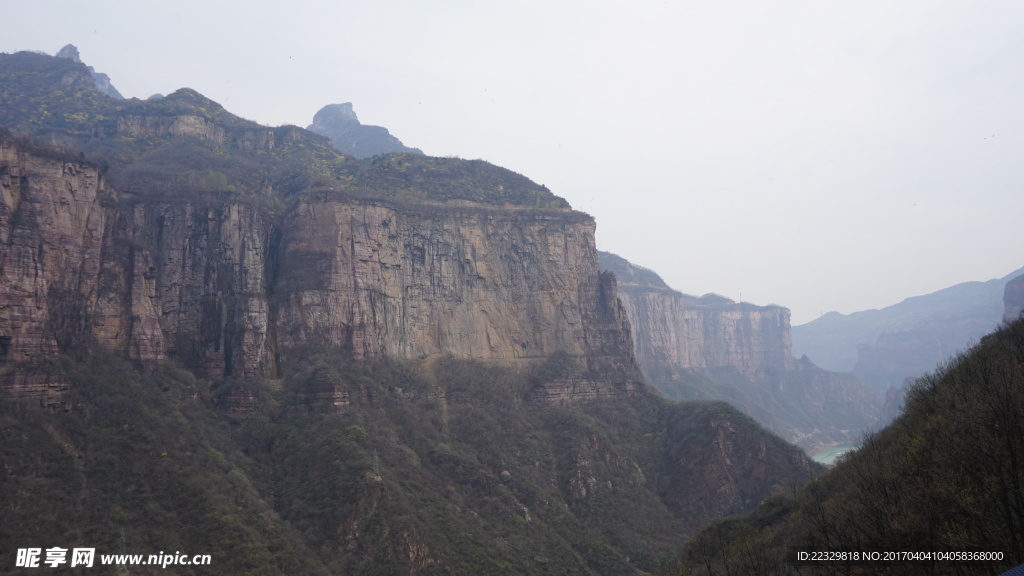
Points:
(377, 467)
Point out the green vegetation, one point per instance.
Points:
(947, 475)
(415, 176)
(42, 93)
(470, 478)
(169, 147)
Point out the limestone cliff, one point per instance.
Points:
(677, 331)
(228, 287)
(711, 348)
(272, 267)
(58, 284)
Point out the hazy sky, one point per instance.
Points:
(821, 155)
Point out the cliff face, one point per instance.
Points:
(486, 284)
(675, 331)
(272, 266)
(228, 288)
(1013, 299)
(711, 348)
(58, 284)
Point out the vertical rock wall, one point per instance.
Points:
(224, 287)
(711, 348)
(482, 283)
(676, 331)
(59, 285)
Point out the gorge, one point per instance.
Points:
(217, 334)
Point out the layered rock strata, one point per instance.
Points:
(675, 331)
(228, 288)
(711, 348)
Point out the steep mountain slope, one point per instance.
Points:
(711, 348)
(357, 467)
(946, 476)
(102, 80)
(227, 339)
(883, 347)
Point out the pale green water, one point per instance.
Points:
(828, 456)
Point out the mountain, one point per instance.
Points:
(103, 83)
(884, 347)
(945, 478)
(340, 123)
(227, 339)
(185, 249)
(711, 348)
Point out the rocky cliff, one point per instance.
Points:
(675, 330)
(1013, 299)
(65, 274)
(711, 348)
(899, 355)
(171, 227)
(228, 287)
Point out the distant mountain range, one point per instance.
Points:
(883, 347)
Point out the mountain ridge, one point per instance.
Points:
(888, 345)
(221, 337)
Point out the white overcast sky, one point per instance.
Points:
(821, 155)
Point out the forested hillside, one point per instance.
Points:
(946, 477)
(436, 467)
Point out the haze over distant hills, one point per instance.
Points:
(712, 348)
(885, 346)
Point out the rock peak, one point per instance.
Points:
(70, 52)
(334, 114)
(340, 123)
